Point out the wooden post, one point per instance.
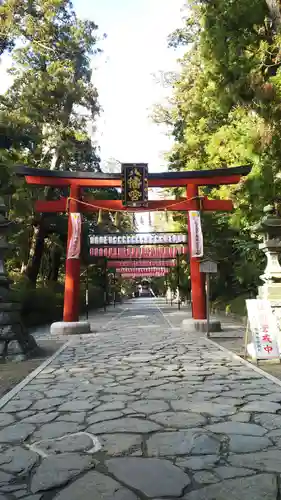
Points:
(114, 288)
(105, 285)
(178, 281)
(197, 279)
(208, 303)
(72, 267)
(87, 294)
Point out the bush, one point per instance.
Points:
(40, 305)
(44, 304)
(236, 306)
(96, 298)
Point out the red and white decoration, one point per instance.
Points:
(118, 264)
(74, 247)
(196, 235)
(264, 329)
(143, 270)
(149, 274)
(139, 252)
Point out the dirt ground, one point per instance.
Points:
(232, 338)
(12, 372)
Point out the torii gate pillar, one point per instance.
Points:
(198, 295)
(72, 266)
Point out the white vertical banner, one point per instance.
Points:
(264, 329)
(196, 235)
(74, 246)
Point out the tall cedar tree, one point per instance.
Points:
(52, 102)
(225, 111)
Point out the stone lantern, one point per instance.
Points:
(270, 229)
(14, 339)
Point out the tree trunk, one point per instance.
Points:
(274, 8)
(36, 252)
(56, 254)
(26, 258)
(23, 267)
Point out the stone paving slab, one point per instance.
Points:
(142, 410)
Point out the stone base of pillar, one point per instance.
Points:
(70, 328)
(201, 325)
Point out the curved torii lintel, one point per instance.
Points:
(218, 176)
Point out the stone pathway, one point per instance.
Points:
(142, 410)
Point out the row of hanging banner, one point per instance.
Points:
(133, 264)
(149, 274)
(138, 239)
(143, 270)
(163, 252)
(140, 245)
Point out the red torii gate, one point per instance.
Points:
(76, 202)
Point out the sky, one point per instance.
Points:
(135, 49)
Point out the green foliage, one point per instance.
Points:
(44, 304)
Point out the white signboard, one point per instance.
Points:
(264, 329)
(208, 267)
(138, 239)
(196, 234)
